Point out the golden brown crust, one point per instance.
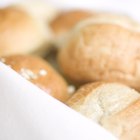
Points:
(67, 20)
(40, 73)
(19, 32)
(102, 51)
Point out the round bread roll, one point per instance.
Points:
(112, 105)
(65, 21)
(39, 72)
(20, 33)
(103, 48)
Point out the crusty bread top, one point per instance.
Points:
(99, 100)
(39, 72)
(106, 103)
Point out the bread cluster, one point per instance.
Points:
(24, 33)
(59, 51)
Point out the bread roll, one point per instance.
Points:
(20, 33)
(40, 73)
(65, 21)
(112, 105)
(103, 48)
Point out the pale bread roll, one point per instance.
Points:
(20, 33)
(107, 103)
(103, 48)
(39, 72)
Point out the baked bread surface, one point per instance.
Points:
(105, 49)
(39, 72)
